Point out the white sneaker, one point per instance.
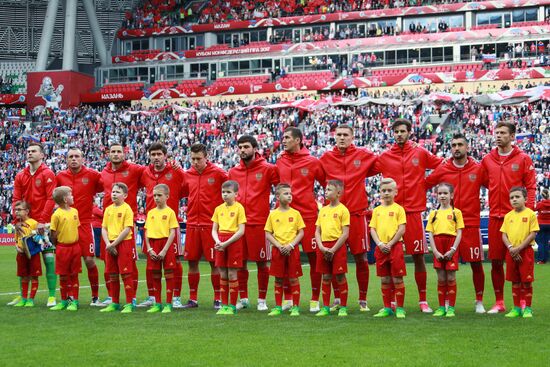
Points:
(363, 306)
(149, 301)
(51, 302)
(314, 306)
(335, 305)
(243, 303)
(176, 302)
(446, 305)
(424, 307)
(287, 304)
(95, 302)
(106, 302)
(15, 301)
(479, 307)
(262, 305)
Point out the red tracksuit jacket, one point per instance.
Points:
(301, 170)
(352, 168)
(37, 190)
(516, 169)
(205, 193)
(408, 167)
(170, 176)
(255, 182)
(85, 184)
(128, 173)
(467, 182)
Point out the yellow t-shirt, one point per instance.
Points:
(229, 217)
(284, 225)
(28, 226)
(445, 221)
(65, 223)
(517, 226)
(116, 218)
(159, 222)
(386, 220)
(332, 220)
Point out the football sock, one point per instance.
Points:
(295, 290)
(215, 279)
(233, 292)
(278, 294)
(441, 292)
(114, 288)
(392, 291)
(242, 276)
(516, 295)
(343, 286)
(314, 276)
(420, 278)
(135, 278)
(451, 292)
(386, 294)
(128, 281)
(326, 284)
(34, 287)
(21, 286)
(25, 289)
(178, 279)
(497, 276)
(93, 277)
(157, 286)
(286, 290)
(478, 276)
(362, 276)
(335, 288)
(224, 290)
(51, 278)
(107, 283)
(263, 281)
(169, 276)
(75, 283)
(193, 281)
(63, 287)
(399, 294)
(150, 282)
(527, 294)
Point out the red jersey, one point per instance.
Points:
(255, 183)
(352, 168)
(173, 177)
(407, 166)
(205, 193)
(85, 184)
(467, 182)
(300, 170)
(543, 211)
(128, 173)
(97, 217)
(504, 172)
(37, 190)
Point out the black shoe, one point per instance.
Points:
(191, 304)
(217, 304)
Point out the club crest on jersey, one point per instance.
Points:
(415, 161)
(515, 167)
(291, 220)
(449, 217)
(168, 176)
(38, 182)
(472, 177)
(304, 171)
(524, 219)
(211, 181)
(119, 215)
(335, 215)
(259, 176)
(391, 214)
(164, 217)
(232, 214)
(357, 163)
(85, 180)
(125, 173)
(75, 217)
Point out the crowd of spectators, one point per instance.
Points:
(7, 86)
(93, 128)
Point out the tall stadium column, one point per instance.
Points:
(96, 32)
(69, 35)
(47, 34)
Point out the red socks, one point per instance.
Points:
(233, 292)
(75, 285)
(295, 290)
(286, 290)
(114, 288)
(263, 281)
(399, 294)
(149, 279)
(224, 290)
(25, 288)
(343, 286)
(497, 276)
(34, 287)
(441, 292)
(193, 280)
(279, 293)
(451, 292)
(335, 288)
(242, 276)
(63, 287)
(93, 277)
(215, 279)
(420, 278)
(516, 295)
(362, 275)
(325, 285)
(128, 280)
(156, 291)
(135, 278)
(478, 276)
(107, 283)
(386, 295)
(169, 286)
(314, 277)
(178, 279)
(527, 294)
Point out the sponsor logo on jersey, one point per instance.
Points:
(304, 171)
(259, 176)
(415, 161)
(515, 167)
(472, 177)
(38, 182)
(357, 163)
(211, 181)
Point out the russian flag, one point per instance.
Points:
(489, 58)
(525, 137)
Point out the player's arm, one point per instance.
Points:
(320, 246)
(515, 254)
(53, 237)
(105, 236)
(431, 241)
(272, 240)
(235, 237)
(530, 183)
(169, 241)
(122, 235)
(433, 179)
(381, 245)
(215, 237)
(297, 239)
(50, 185)
(432, 161)
(341, 240)
(396, 237)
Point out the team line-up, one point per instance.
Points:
(229, 223)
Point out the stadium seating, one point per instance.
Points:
(113, 88)
(16, 71)
(299, 80)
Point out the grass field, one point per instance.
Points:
(200, 338)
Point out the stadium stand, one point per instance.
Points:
(13, 76)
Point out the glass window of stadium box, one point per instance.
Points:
(174, 72)
(433, 24)
(199, 70)
(141, 44)
(507, 17)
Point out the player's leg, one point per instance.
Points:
(478, 276)
(295, 290)
(527, 294)
(87, 248)
(415, 243)
(516, 297)
(232, 275)
(315, 279)
(325, 291)
(156, 291)
(242, 275)
(193, 278)
(358, 245)
(441, 289)
(279, 286)
(497, 254)
(64, 285)
(527, 276)
(421, 276)
(287, 295)
(51, 278)
(263, 284)
(451, 292)
(169, 277)
(24, 291)
(399, 292)
(343, 285)
(386, 296)
(362, 276)
(215, 280)
(34, 289)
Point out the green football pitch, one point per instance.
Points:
(198, 337)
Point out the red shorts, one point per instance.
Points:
(232, 256)
(471, 248)
(339, 263)
(358, 241)
(67, 259)
(497, 249)
(169, 261)
(86, 240)
(414, 237)
(443, 243)
(392, 264)
(308, 241)
(255, 245)
(199, 242)
(124, 261)
(285, 266)
(524, 271)
(28, 267)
